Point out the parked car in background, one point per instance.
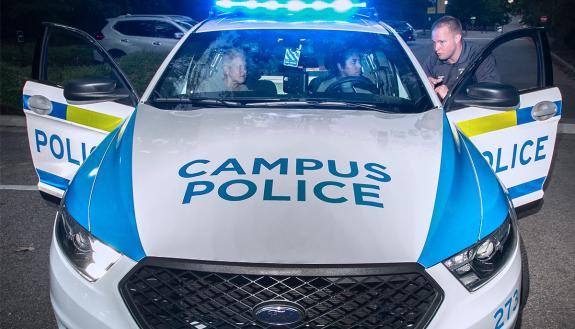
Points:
(403, 28)
(133, 33)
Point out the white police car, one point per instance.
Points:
(289, 165)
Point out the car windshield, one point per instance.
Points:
(245, 67)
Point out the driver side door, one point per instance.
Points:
(517, 141)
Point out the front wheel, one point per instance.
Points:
(525, 283)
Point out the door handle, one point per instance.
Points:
(156, 43)
(543, 110)
(124, 40)
(40, 104)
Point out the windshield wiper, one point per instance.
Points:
(322, 103)
(278, 102)
(214, 102)
(203, 101)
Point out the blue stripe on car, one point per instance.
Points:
(52, 180)
(526, 188)
(112, 214)
(59, 110)
(78, 194)
(25, 99)
(524, 114)
(493, 200)
(456, 218)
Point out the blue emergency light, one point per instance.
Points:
(289, 6)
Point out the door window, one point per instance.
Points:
(126, 28)
(165, 30)
(71, 57)
(136, 28)
(513, 63)
(517, 70)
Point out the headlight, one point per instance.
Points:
(476, 265)
(88, 255)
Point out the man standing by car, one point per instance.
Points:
(451, 56)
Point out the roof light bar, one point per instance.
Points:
(339, 6)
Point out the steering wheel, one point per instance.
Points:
(360, 82)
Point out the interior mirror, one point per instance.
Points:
(490, 95)
(178, 35)
(93, 90)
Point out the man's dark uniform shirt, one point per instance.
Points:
(435, 67)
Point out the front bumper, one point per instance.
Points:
(485, 307)
(80, 304)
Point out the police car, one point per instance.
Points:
(261, 182)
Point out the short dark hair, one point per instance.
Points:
(451, 22)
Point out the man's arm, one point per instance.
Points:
(428, 66)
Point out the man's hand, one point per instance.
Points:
(435, 81)
(442, 91)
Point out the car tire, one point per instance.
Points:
(50, 200)
(525, 283)
(116, 53)
(525, 280)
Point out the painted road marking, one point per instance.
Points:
(19, 187)
(566, 128)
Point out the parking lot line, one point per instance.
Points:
(566, 128)
(19, 187)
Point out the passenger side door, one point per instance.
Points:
(517, 138)
(62, 133)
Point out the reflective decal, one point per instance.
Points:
(486, 124)
(248, 186)
(92, 119)
(61, 147)
(52, 180)
(81, 116)
(520, 155)
(526, 188)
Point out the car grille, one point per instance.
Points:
(165, 293)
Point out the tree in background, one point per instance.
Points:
(88, 15)
(560, 24)
(488, 13)
(412, 11)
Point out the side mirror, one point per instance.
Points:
(489, 95)
(93, 90)
(178, 35)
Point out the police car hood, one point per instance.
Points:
(292, 186)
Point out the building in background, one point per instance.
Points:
(435, 9)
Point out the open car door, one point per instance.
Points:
(513, 122)
(64, 123)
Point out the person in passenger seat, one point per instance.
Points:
(235, 71)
